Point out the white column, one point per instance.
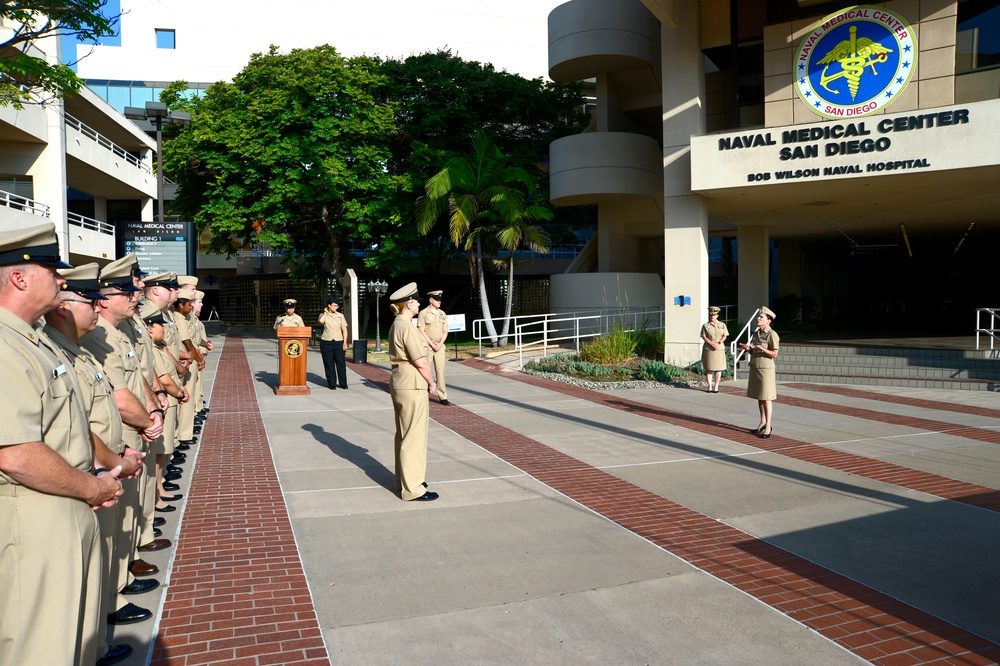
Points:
(753, 256)
(685, 227)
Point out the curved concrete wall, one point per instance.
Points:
(603, 166)
(588, 37)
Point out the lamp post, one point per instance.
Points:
(156, 113)
(378, 289)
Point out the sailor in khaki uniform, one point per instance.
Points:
(289, 318)
(333, 344)
(713, 353)
(142, 419)
(409, 385)
(432, 322)
(50, 562)
(205, 346)
(763, 347)
(74, 318)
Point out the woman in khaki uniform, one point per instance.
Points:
(409, 386)
(763, 347)
(432, 322)
(713, 353)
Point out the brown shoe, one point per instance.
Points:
(155, 544)
(143, 568)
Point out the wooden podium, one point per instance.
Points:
(293, 345)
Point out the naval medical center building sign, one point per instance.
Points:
(851, 65)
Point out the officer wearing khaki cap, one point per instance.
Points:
(432, 322)
(713, 353)
(409, 386)
(763, 348)
(50, 612)
(289, 318)
(74, 318)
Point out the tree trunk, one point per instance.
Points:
(510, 300)
(488, 318)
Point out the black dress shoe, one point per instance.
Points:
(171, 476)
(114, 654)
(157, 532)
(128, 614)
(155, 544)
(174, 468)
(426, 497)
(139, 586)
(197, 430)
(170, 498)
(332, 388)
(167, 509)
(171, 487)
(182, 447)
(159, 521)
(765, 435)
(344, 387)
(445, 402)
(143, 568)
(757, 431)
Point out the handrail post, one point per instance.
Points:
(977, 329)
(576, 333)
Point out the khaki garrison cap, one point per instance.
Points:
(187, 281)
(405, 293)
(83, 280)
(118, 274)
(770, 313)
(151, 313)
(37, 243)
(168, 280)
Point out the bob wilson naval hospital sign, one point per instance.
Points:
(855, 62)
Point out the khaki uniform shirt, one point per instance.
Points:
(768, 340)
(115, 353)
(286, 320)
(165, 366)
(98, 395)
(171, 334)
(42, 399)
(433, 323)
(135, 328)
(405, 346)
(334, 324)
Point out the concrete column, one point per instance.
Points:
(101, 209)
(753, 255)
(349, 285)
(685, 228)
(616, 250)
(147, 210)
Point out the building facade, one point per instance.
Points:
(843, 151)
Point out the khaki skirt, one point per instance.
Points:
(761, 385)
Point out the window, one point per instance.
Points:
(166, 39)
(977, 42)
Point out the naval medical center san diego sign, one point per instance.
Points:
(848, 68)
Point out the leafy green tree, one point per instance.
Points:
(24, 23)
(514, 232)
(293, 153)
(486, 202)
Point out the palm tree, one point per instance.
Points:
(484, 199)
(512, 234)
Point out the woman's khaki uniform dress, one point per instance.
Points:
(714, 360)
(761, 385)
(409, 401)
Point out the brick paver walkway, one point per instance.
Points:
(873, 625)
(238, 594)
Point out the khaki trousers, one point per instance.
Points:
(110, 523)
(439, 359)
(130, 509)
(50, 579)
(185, 412)
(411, 411)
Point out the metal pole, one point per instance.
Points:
(159, 168)
(378, 329)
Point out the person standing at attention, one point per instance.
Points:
(763, 347)
(333, 344)
(410, 384)
(713, 353)
(432, 322)
(289, 318)
(50, 548)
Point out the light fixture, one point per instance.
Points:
(962, 239)
(156, 113)
(906, 240)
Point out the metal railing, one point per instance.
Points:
(991, 330)
(734, 346)
(23, 203)
(555, 329)
(90, 223)
(107, 143)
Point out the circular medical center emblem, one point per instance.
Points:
(293, 349)
(855, 62)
